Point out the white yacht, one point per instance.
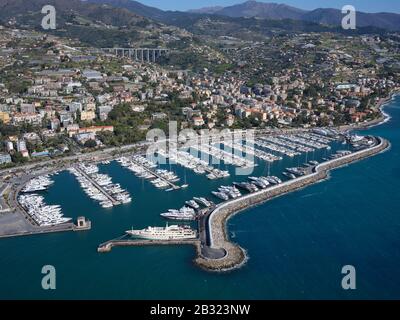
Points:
(173, 232)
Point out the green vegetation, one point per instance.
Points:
(126, 123)
(90, 144)
(18, 158)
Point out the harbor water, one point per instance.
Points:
(297, 244)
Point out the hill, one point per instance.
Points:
(328, 16)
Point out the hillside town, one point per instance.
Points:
(58, 97)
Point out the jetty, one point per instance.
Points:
(26, 228)
(126, 242)
(100, 188)
(154, 173)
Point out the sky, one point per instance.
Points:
(361, 5)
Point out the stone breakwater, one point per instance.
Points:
(217, 231)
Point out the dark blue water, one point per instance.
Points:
(297, 244)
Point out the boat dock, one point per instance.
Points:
(100, 188)
(154, 173)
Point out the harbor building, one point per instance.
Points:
(82, 224)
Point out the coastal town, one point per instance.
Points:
(62, 102)
(60, 99)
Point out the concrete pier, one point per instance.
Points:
(109, 197)
(107, 246)
(14, 226)
(171, 184)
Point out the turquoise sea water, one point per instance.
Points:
(297, 244)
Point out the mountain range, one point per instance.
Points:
(389, 21)
(254, 9)
(120, 22)
(31, 10)
(94, 24)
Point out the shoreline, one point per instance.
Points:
(111, 153)
(384, 117)
(235, 255)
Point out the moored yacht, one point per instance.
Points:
(203, 201)
(192, 204)
(173, 232)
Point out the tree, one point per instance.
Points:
(90, 144)
(18, 158)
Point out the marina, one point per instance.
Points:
(191, 162)
(250, 150)
(215, 251)
(228, 158)
(274, 144)
(208, 254)
(297, 141)
(143, 168)
(40, 183)
(44, 215)
(99, 187)
(290, 171)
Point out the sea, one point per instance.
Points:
(296, 244)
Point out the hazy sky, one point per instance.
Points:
(362, 5)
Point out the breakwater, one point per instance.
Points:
(217, 233)
(107, 246)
